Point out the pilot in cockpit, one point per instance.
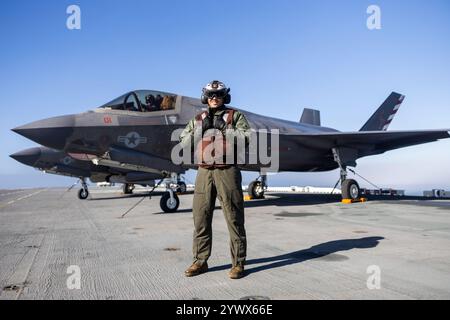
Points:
(149, 103)
(158, 101)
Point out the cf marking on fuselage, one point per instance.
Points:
(132, 139)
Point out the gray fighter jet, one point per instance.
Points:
(134, 131)
(59, 163)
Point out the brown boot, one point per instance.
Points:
(196, 269)
(236, 272)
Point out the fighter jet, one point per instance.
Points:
(59, 163)
(134, 131)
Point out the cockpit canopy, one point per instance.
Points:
(143, 101)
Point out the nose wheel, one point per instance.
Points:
(83, 193)
(169, 202)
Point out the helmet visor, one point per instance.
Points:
(216, 94)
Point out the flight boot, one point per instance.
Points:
(195, 269)
(236, 272)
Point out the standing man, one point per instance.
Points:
(218, 179)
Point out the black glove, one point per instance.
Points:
(207, 123)
(219, 123)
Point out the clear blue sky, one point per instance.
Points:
(277, 56)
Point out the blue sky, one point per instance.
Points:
(277, 56)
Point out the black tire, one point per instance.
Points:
(128, 188)
(166, 204)
(350, 189)
(181, 187)
(83, 194)
(255, 190)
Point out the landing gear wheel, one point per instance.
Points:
(169, 205)
(350, 189)
(256, 190)
(128, 188)
(83, 194)
(181, 187)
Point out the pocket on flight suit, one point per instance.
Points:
(200, 194)
(238, 206)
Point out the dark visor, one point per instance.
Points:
(217, 94)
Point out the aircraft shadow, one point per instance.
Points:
(293, 199)
(186, 210)
(289, 199)
(284, 199)
(314, 252)
(397, 198)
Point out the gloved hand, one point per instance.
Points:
(219, 123)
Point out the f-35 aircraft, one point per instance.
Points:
(133, 132)
(57, 162)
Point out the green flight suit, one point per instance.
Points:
(225, 184)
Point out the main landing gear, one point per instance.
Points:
(349, 187)
(257, 187)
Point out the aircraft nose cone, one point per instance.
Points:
(51, 132)
(27, 156)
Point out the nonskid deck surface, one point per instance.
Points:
(299, 247)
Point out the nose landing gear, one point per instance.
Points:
(83, 193)
(170, 202)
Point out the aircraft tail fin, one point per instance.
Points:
(382, 118)
(310, 116)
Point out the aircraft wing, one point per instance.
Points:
(370, 142)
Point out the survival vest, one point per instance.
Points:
(212, 149)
